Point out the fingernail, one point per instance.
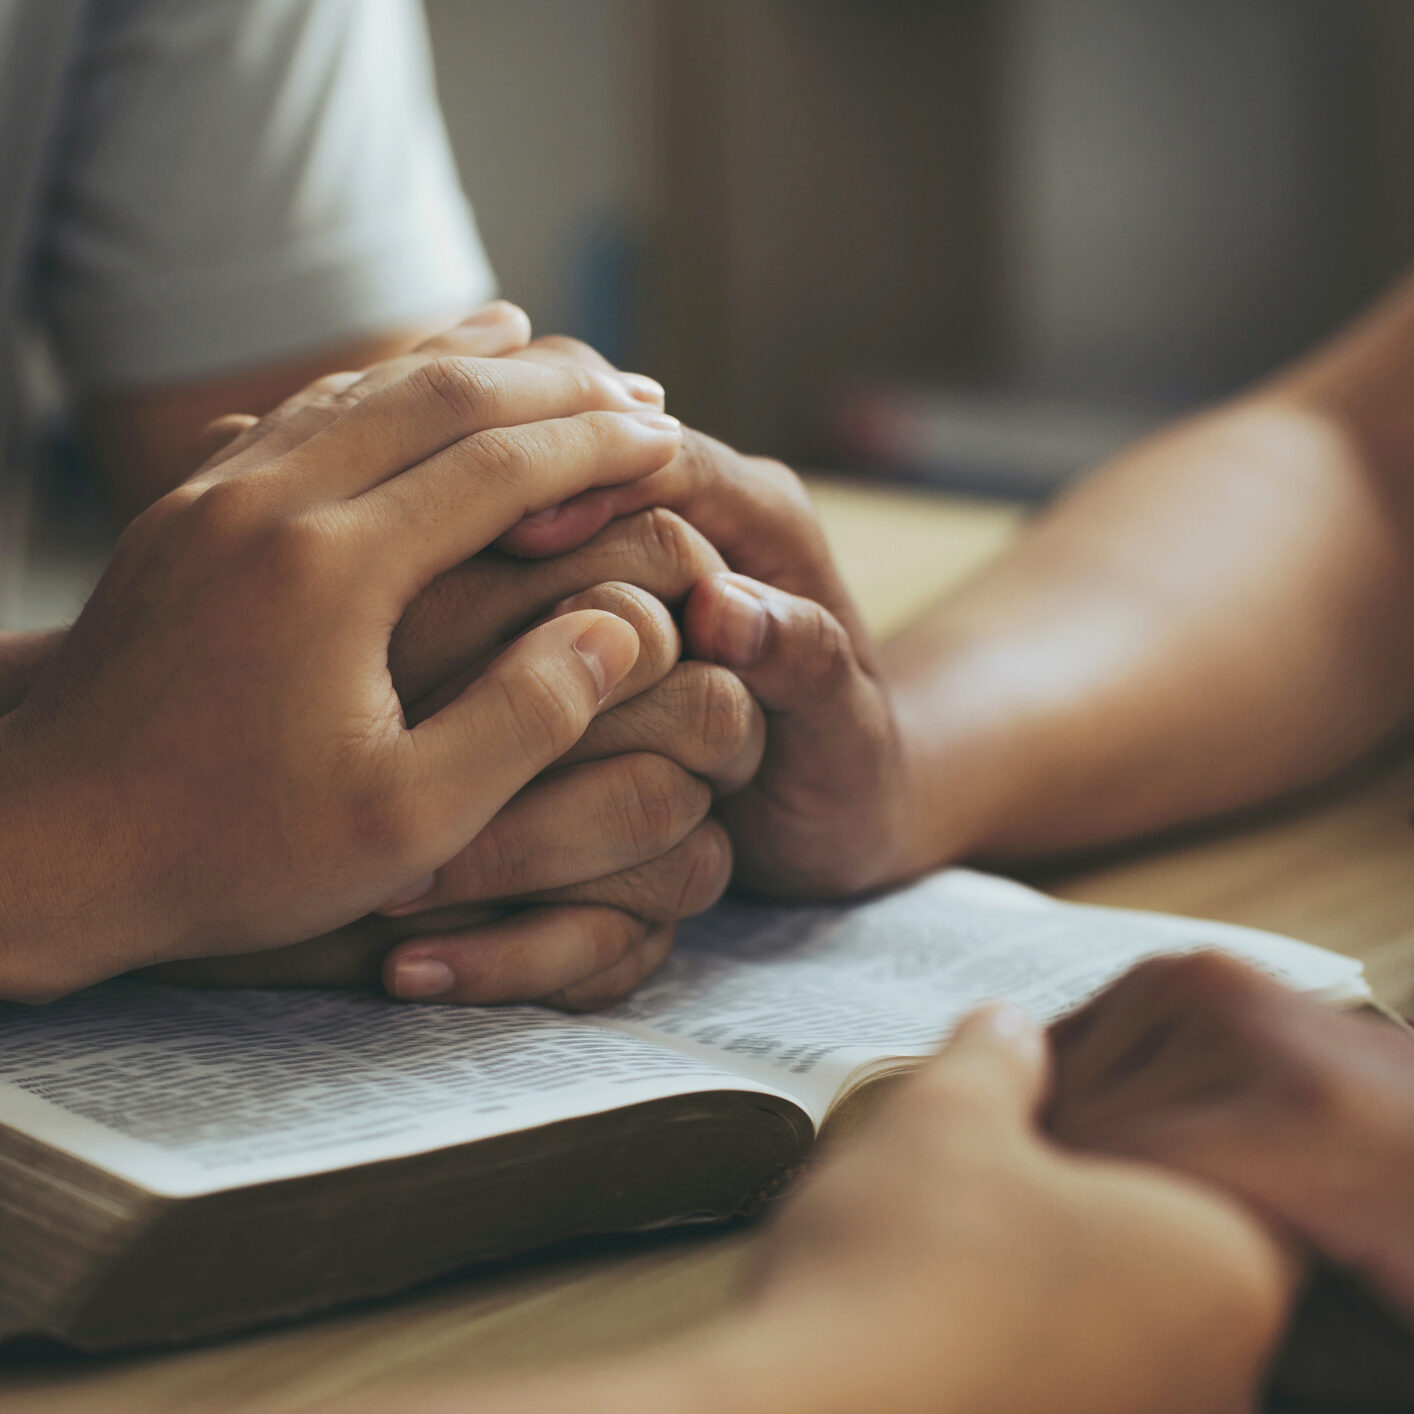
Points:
(741, 627)
(662, 421)
(645, 389)
(606, 653)
(1012, 1026)
(414, 893)
(417, 978)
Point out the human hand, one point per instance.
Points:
(604, 854)
(569, 895)
(216, 758)
(836, 807)
(1204, 1065)
(950, 1256)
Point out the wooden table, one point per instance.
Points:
(1337, 870)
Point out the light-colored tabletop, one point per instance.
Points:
(1337, 869)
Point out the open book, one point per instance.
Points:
(178, 1163)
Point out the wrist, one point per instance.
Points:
(72, 906)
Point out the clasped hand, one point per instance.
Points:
(570, 895)
(306, 590)
(216, 758)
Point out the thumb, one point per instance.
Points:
(800, 664)
(997, 1054)
(523, 713)
(793, 653)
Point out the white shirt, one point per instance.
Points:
(218, 183)
(193, 187)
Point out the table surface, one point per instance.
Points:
(1336, 869)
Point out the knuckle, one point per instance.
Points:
(1204, 976)
(223, 513)
(504, 312)
(955, 1100)
(661, 804)
(721, 710)
(639, 951)
(496, 861)
(176, 505)
(591, 388)
(699, 453)
(503, 456)
(671, 547)
(470, 389)
(659, 644)
(610, 936)
(334, 382)
(335, 399)
(702, 868)
(296, 551)
(788, 487)
(335, 391)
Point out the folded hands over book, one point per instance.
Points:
(252, 736)
(215, 758)
(319, 597)
(570, 893)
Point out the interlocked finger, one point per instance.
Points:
(474, 607)
(685, 881)
(700, 715)
(573, 826)
(660, 646)
(495, 329)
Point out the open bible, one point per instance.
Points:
(178, 1163)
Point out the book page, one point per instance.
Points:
(801, 998)
(186, 1092)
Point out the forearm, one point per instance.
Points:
(1217, 617)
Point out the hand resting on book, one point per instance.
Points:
(612, 847)
(215, 758)
(951, 1257)
(599, 858)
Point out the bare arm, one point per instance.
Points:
(1218, 616)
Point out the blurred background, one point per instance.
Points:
(976, 241)
(972, 243)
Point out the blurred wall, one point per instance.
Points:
(1180, 190)
(760, 200)
(548, 106)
